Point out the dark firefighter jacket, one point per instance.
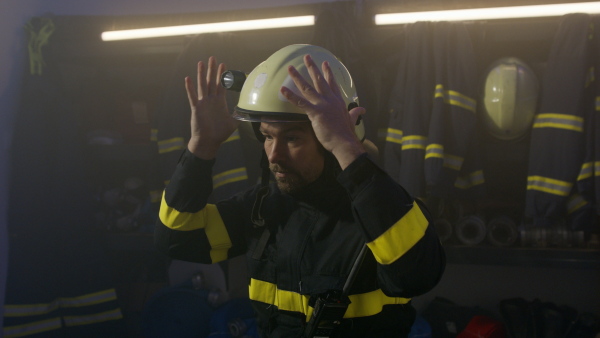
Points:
(561, 160)
(315, 239)
(431, 143)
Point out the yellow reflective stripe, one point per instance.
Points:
(455, 98)
(394, 135)
(453, 162)
(229, 176)
(208, 219)
(559, 121)
(173, 144)
(30, 309)
(590, 78)
(450, 161)
(32, 328)
(38, 309)
(233, 137)
(477, 177)
(93, 318)
(371, 303)
(549, 185)
(598, 103)
(414, 142)
(597, 168)
(469, 181)
(217, 234)
(362, 305)
(55, 323)
(90, 299)
(182, 221)
(575, 203)
(154, 134)
(434, 150)
(268, 293)
(400, 237)
(587, 171)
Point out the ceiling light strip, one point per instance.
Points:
(489, 13)
(231, 26)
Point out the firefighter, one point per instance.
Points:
(329, 206)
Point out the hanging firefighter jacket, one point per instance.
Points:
(561, 161)
(583, 205)
(59, 279)
(172, 121)
(432, 120)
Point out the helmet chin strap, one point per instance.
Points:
(256, 128)
(257, 218)
(263, 191)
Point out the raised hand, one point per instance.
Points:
(327, 111)
(211, 124)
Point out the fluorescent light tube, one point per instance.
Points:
(143, 33)
(489, 13)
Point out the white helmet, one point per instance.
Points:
(510, 97)
(260, 97)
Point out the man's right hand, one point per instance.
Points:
(211, 123)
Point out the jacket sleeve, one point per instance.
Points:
(398, 230)
(188, 228)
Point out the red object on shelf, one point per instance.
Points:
(483, 327)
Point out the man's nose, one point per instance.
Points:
(276, 152)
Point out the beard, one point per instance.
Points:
(292, 183)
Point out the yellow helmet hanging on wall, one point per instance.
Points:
(260, 97)
(510, 97)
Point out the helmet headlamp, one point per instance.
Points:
(233, 80)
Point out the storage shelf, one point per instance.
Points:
(566, 258)
(529, 257)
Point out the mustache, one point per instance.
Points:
(276, 168)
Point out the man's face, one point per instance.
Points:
(295, 155)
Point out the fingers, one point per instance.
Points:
(332, 83)
(323, 83)
(210, 75)
(294, 99)
(209, 78)
(318, 81)
(305, 88)
(356, 113)
(320, 89)
(201, 79)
